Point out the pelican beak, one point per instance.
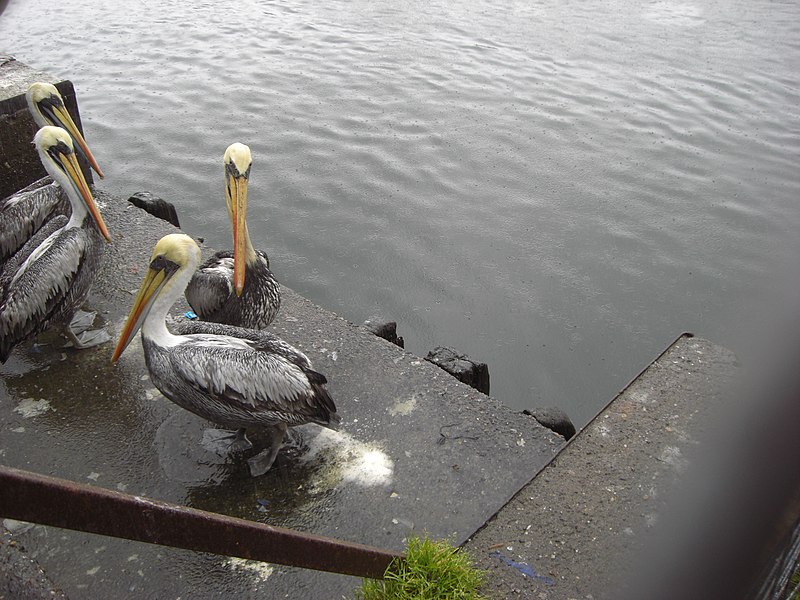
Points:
(157, 276)
(58, 114)
(70, 164)
(237, 191)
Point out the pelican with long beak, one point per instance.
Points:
(22, 214)
(235, 377)
(48, 279)
(47, 107)
(236, 288)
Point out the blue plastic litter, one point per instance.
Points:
(523, 568)
(190, 315)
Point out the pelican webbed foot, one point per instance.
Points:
(80, 333)
(223, 441)
(261, 462)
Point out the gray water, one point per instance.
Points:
(556, 188)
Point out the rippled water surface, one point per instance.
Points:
(555, 188)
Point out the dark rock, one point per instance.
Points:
(384, 329)
(460, 366)
(155, 206)
(554, 419)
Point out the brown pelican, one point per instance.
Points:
(23, 214)
(235, 377)
(47, 107)
(48, 279)
(236, 288)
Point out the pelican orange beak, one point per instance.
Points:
(69, 163)
(54, 110)
(237, 201)
(158, 274)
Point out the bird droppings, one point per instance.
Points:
(261, 570)
(28, 407)
(403, 407)
(673, 456)
(350, 460)
(17, 527)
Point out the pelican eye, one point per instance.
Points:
(231, 169)
(51, 102)
(162, 263)
(57, 150)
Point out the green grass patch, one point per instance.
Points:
(433, 570)
(794, 583)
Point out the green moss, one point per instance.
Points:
(432, 570)
(794, 583)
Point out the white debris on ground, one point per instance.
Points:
(362, 463)
(32, 408)
(261, 570)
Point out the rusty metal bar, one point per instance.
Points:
(35, 498)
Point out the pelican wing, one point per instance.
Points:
(24, 213)
(11, 267)
(33, 292)
(262, 340)
(246, 374)
(211, 285)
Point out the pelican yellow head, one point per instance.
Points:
(238, 161)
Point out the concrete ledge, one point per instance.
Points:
(575, 529)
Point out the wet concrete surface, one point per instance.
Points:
(576, 530)
(417, 450)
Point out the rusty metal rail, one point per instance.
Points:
(35, 498)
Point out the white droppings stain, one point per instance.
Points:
(334, 355)
(29, 407)
(15, 526)
(521, 442)
(403, 407)
(133, 557)
(604, 429)
(261, 570)
(18, 430)
(93, 476)
(673, 456)
(93, 571)
(362, 463)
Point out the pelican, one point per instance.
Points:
(235, 377)
(24, 213)
(47, 280)
(236, 288)
(47, 107)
